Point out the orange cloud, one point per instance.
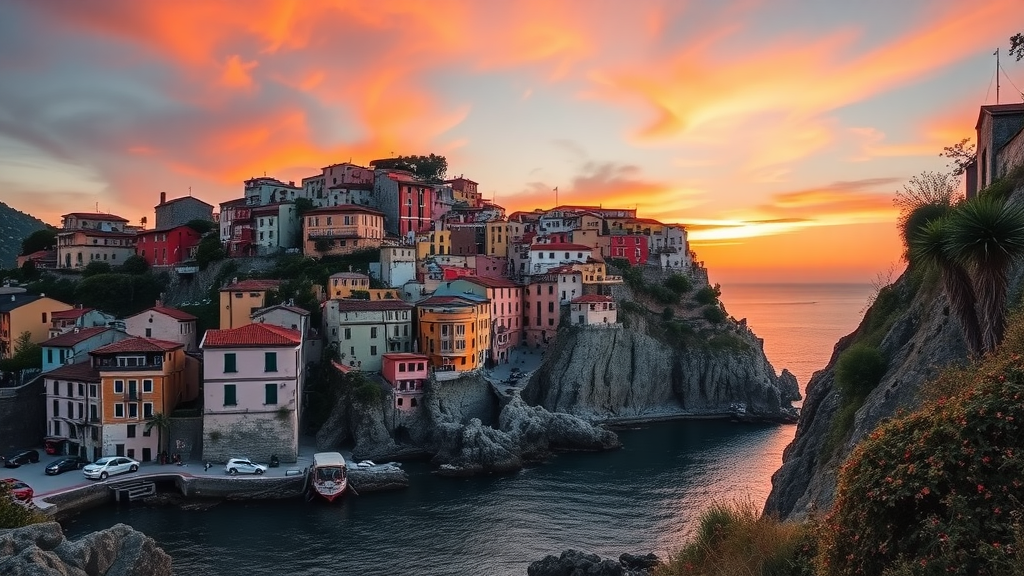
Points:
(236, 73)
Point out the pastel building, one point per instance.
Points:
(74, 346)
(364, 330)
(341, 230)
(62, 321)
(266, 190)
(252, 394)
(544, 257)
(342, 284)
(239, 300)
(164, 323)
(74, 407)
(454, 331)
(406, 374)
(139, 377)
(541, 309)
(93, 237)
(496, 240)
(277, 227)
(632, 247)
(167, 246)
(24, 312)
(592, 309)
(506, 298)
(397, 265)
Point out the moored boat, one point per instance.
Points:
(329, 475)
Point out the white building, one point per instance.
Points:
(277, 227)
(544, 257)
(397, 265)
(164, 323)
(592, 309)
(364, 330)
(265, 190)
(671, 247)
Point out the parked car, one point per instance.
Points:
(108, 466)
(20, 490)
(19, 457)
(243, 466)
(54, 445)
(66, 463)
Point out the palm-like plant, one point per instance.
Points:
(929, 247)
(986, 235)
(161, 422)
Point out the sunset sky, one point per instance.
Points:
(778, 131)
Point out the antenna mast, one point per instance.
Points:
(997, 76)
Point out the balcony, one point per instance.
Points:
(333, 233)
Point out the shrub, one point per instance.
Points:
(917, 219)
(708, 295)
(727, 341)
(736, 539)
(678, 283)
(95, 268)
(366, 392)
(936, 491)
(859, 369)
(667, 314)
(135, 265)
(663, 295)
(14, 514)
(713, 314)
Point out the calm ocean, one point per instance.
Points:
(645, 497)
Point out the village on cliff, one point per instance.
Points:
(458, 287)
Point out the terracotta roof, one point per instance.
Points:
(295, 309)
(563, 270)
(95, 232)
(69, 314)
(491, 282)
(351, 305)
(167, 229)
(449, 300)
(254, 284)
(405, 356)
(74, 337)
(588, 298)
(559, 246)
(179, 315)
(251, 335)
(137, 344)
(342, 208)
(80, 372)
(96, 216)
(352, 275)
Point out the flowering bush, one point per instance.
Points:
(936, 491)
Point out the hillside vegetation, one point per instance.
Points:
(14, 227)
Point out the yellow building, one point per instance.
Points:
(23, 312)
(239, 300)
(437, 242)
(497, 239)
(343, 229)
(454, 332)
(139, 377)
(342, 284)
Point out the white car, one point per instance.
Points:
(108, 466)
(243, 466)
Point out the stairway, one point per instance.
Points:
(132, 490)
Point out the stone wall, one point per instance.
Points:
(182, 211)
(249, 435)
(22, 415)
(466, 398)
(1011, 155)
(185, 437)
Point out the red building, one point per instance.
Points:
(406, 373)
(632, 247)
(415, 202)
(465, 190)
(167, 247)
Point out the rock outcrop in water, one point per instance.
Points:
(574, 562)
(42, 550)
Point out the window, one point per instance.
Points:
(118, 410)
(81, 390)
(56, 388)
(131, 430)
(49, 355)
(56, 408)
(44, 317)
(147, 410)
(373, 350)
(118, 386)
(348, 333)
(133, 410)
(147, 386)
(229, 363)
(149, 332)
(373, 332)
(92, 390)
(270, 393)
(229, 395)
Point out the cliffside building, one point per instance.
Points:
(454, 331)
(239, 300)
(341, 230)
(364, 330)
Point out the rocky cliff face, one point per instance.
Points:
(42, 550)
(921, 340)
(626, 373)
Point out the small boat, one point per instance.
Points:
(329, 475)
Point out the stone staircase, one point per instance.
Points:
(129, 490)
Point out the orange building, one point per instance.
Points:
(341, 230)
(139, 377)
(455, 331)
(239, 300)
(23, 312)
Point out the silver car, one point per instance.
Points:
(243, 466)
(109, 466)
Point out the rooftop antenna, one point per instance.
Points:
(556, 196)
(996, 54)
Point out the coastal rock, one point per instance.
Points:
(576, 563)
(608, 374)
(42, 550)
(378, 478)
(538, 433)
(474, 448)
(363, 423)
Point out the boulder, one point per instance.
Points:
(42, 550)
(576, 563)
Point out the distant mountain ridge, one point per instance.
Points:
(15, 225)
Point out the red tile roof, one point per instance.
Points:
(179, 315)
(351, 275)
(233, 203)
(252, 335)
(80, 372)
(488, 282)
(255, 285)
(69, 314)
(138, 344)
(560, 246)
(405, 356)
(352, 305)
(96, 216)
(343, 208)
(74, 337)
(588, 298)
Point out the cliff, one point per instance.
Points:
(42, 550)
(630, 373)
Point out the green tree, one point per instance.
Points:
(1017, 46)
(27, 355)
(16, 515)
(961, 155)
(210, 250)
(859, 369)
(323, 245)
(162, 423)
(135, 265)
(96, 267)
(432, 168)
(303, 205)
(28, 271)
(201, 226)
(44, 239)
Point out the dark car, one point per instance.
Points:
(66, 463)
(19, 457)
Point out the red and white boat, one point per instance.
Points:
(329, 475)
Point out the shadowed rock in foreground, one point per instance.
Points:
(42, 550)
(573, 562)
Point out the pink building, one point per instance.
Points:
(592, 309)
(406, 373)
(632, 247)
(164, 323)
(252, 392)
(491, 266)
(541, 310)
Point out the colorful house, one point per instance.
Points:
(364, 330)
(506, 298)
(632, 247)
(74, 345)
(277, 227)
(79, 248)
(139, 377)
(341, 230)
(541, 309)
(78, 317)
(74, 407)
(342, 284)
(406, 374)
(592, 309)
(164, 323)
(544, 257)
(239, 300)
(252, 394)
(397, 265)
(454, 331)
(167, 246)
(24, 312)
